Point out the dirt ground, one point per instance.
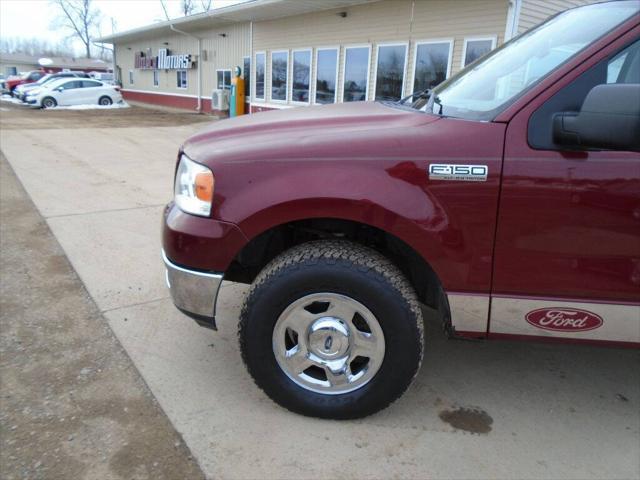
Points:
(72, 405)
(16, 117)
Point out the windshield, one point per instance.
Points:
(483, 89)
(45, 79)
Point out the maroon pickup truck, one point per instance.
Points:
(507, 200)
(29, 77)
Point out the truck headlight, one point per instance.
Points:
(193, 187)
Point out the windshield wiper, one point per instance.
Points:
(436, 101)
(420, 95)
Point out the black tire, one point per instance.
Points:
(105, 101)
(347, 269)
(49, 102)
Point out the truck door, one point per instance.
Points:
(567, 256)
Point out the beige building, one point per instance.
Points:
(303, 52)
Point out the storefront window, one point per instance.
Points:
(260, 65)
(431, 64)
(475, 48)
(181, 76)
(156, 78)
(223, 79)
(356, 74)
(279, 67)
(301, 76)
(246, 74)
(130, 77)
(326, 72)
(390, 71)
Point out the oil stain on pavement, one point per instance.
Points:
(473, 420)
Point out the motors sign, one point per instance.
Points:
(164, 61)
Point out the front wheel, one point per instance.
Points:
(332, 329)
(49, 102)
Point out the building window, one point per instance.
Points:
(260, 66)
(246, 74)
(390, 70)
(156, 78)
(11, 71)
(355, 85)
(130, 77)
(326, 75)
(301, 80)
(181, 78)
(474, 48)
(279, 77)
(223, 78)
(432, 64)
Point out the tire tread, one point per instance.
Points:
(367, 260)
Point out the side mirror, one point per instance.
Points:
(59, 89)
(608, 120)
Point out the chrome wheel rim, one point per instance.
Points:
(328, 343)
(105, 101)
(48, 103)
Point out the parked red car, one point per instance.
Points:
(507, 200)
(29, 77)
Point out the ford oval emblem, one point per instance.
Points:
(561, 319)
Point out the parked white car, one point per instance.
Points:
(76, 91)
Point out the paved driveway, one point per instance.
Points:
(545, 410)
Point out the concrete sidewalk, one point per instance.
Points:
(538, 411)
(73, 406)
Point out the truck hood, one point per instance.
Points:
(316, 132)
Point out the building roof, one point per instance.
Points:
(55, 62)
(248, 11)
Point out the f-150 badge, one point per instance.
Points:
(463, 173)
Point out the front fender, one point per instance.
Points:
(391, 199)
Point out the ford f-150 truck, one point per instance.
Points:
(507, 200)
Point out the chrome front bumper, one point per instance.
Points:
(194, 293)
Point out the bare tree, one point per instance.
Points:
(35, 47)
(81, 18)
(164, 9)
(188, 7)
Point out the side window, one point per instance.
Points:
(625, 67)
(72, 85)
(89, 84)
(622, 67)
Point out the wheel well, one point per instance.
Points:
(266, 246)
